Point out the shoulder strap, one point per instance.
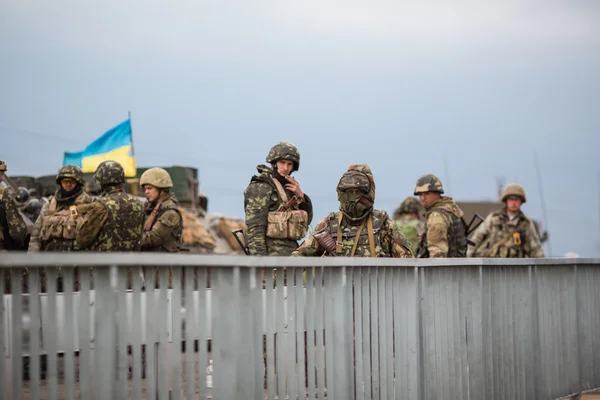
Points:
(371, 235)
(52, 207)
(338, 243)
(280, 189)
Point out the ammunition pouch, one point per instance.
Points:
(291, 224)
(60, 225)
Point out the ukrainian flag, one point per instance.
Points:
(115, 145)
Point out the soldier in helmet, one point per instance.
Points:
(357, 230)
(164, 224)
(13, 231)
(410, 218)
(508, 233)
(277, 210)
(55, 228)
(444, 234)
(115, 221)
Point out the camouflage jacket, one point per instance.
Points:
(498, 236)
(260, 198)
(54, 230)
(389, 241)
(411, 228)
(166, 230)
(13, 231)
(114, 222)
(444, 231)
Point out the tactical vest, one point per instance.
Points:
(506, 238)
(286, 224)
(124, 225)
(349, 233)
(173, 243)
(457, 238)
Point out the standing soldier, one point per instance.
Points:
(13, 231)
(444, 234)
(410, 219)
(163, 226)
(508, 233)
(55, 228)
(115, 221)
(357, 230)
(277, 211)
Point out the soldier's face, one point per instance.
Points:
(428, 198)
(151, 192)
(285, 167)
(68, 184)
(513, 203)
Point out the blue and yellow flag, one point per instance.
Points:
(115, 145)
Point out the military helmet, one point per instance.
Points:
(428, 183)
(3, 166)
(514, 189)
(156, 177)
(284, 151)
(109, 173)
(411, 205)
(72, 172)
(22, 195)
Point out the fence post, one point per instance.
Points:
(105, 330)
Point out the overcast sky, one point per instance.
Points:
(402, 87)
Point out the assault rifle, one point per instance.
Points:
(471, 226)
(237, 239)
(152, 216)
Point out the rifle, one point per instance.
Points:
(288, 204)
(471, 226)
(237, 239)
(153, 215)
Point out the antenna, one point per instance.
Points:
(541, 190)
(447, 175)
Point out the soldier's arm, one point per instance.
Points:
(535, 244)
(479, 236)
(307, 206)
(257, 200)
(35, 242)
(437, 235)
(90, 224)
(310, 247)
(399, 246)
(17, 229)
(162, 228)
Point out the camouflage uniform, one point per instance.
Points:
(411, 226)
(444, 230)
(162, 231)
(501, 236)
(262, 200)
(115, 221)
(357, 230)
(55, 228)
(13, 231)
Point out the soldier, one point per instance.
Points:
(277, 211)
(164, 224)
(508, 233)
(357, 230)
(444, 234)
(410, 220)
(13, 231)
(115, 221)
(55, 228)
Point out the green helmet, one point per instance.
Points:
(428, 183)
(109, 173)
(284, 151)
(70, 171)
(411, 205)
(157, 177)
(3, 166)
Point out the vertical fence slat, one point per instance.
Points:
(257, 319)
(341, 333)
(300, 332)
(319, 327)
(162, 330)
(150, 342)
(138, 321)
(190, 329)
(201, 307)
(310, 331)
(329, 347)
(69, 350)
(389, 327)
(83, 317)
(16, 280)
(122, 389)
(50, 345)
(175, 356)
(374, 333)
(291, 333)
(366, 332)
(4, 333)
(34, 335)
(358, 349)
(105, 334)
(271, 307)
(382, 326)
(280, 323)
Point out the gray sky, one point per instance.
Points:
(213, 84)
